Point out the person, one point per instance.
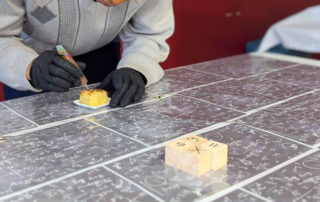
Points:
(91, 32)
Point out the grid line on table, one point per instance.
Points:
(53, 124)
(16, 113)
(213, 103)
(258, 176)
(195, 87)
(258, 109)
(248, 112)
(291, 84)
(137, 185)
(266, 107)
(287, 58)
(234, 120)
(8, 196)
(187, 67)
(279, 135)
(268, 72)
(216, 126)
(317, 145)
(279, 102)
(254, 75)
(196, 70)
(210, 128)
(180, 67)
(255, 195)
(133, 139)
(57, 123)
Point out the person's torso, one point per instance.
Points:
(79, 25)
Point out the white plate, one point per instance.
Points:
(76, 102)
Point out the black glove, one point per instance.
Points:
(51, 72)
(125, 86)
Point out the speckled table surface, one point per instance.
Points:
(265, 107)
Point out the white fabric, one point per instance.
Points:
(298, 32)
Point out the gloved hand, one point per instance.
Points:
(126, 86)
(51, 72)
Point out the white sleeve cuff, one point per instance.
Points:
(21, 66)
(141, 63)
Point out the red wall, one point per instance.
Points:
(1, 93)
(210, 29)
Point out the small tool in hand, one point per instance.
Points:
(64, 53)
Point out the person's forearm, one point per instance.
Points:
(144, 39)
(15, 56)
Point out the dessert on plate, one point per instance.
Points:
(94, 97)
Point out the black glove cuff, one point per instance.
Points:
(31, 77)
(139, 73)
(143, 77)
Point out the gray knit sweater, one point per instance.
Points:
(28, 27)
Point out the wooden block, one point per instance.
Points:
(196, 161)
(185, 154)
(196, 155)
(174, 152)
(219, 153)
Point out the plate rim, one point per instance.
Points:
(76, 102)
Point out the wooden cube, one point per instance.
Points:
(196, 155)
(185, 154)
(219, 153)
(175, 151)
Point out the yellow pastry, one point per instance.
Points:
(94, 97)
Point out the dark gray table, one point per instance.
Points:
(265, 107)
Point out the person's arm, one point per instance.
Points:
(144, 39)
(23, 68)
(14, 55)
